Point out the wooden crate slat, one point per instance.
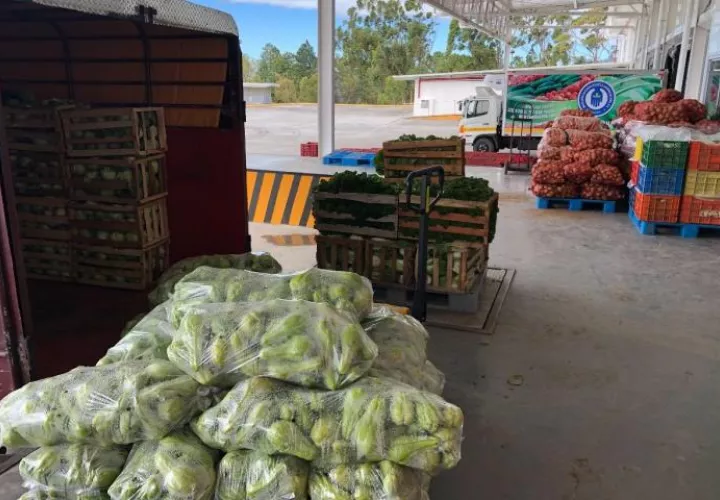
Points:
(444, 143)
(360, 231)
(323, 218)
(361, 197)
(334, 252)
(425, 154)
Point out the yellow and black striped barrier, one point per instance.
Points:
(281, 197)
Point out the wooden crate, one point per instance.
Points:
(471, 262)
(43, 218)
(390, 263)
(132, 225)
(47, 259)
(38, 173)
(36, 128)
(117, 180)
(416, 155)
(134, 269)
(479, 224)
(340, 253)
(115, 132)
(348, 223)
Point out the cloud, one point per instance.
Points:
(341, 6)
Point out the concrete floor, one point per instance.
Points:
(280, 129)
(615, 338)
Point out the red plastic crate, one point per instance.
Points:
(656, 207)
(634, 172)
(704, 157)
(695, 210)
(309, 149)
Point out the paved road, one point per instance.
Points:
(279, 129)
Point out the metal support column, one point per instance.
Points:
(660, 32)
(689, 23)
(326, 80)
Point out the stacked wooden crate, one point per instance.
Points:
(36, 151)
(118, 195)
(402, 157)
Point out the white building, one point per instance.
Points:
(258, 93)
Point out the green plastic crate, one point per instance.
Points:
(665, 154)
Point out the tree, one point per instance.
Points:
(308, 89)
(248, 68)
(286, 91)
(593, 40)
(273, 63)
(305, 61)
(479, 50)
(395, 92)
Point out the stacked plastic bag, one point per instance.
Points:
(328, 398)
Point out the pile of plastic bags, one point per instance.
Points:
(244, 386)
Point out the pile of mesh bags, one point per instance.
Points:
(245, 386)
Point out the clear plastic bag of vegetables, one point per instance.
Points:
(372, 420)
(253, 475)
(116, 404)
(378, 481)
(147, 340)
(402, 350)
(256, 261)
(176, 467)
(346, 292)
(307, 343)
(72, 471)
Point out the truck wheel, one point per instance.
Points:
(484, 144)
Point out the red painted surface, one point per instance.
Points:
(207, 205)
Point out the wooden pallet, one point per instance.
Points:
(133, 269)
(43, 218)
(576, 204)
(340, 253)
(347, 222)
(115, 132)
(479, 227)
(448, 153)
(132, 225)
(118, 180)
(685, 230)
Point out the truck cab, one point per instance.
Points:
(482, 118)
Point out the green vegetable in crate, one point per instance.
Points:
(402, 350)
(383, 480)
(346, 292)
(177, 467)
(72, 470)
(116, 404)
(258, 262)
(253, 475)
(147, 340)
(307, 343)
(369, 421)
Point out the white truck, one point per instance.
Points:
(492, 120)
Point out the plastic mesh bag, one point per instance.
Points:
(260, 262)
(252, 475)
(347, 292)
(588, 124)
(72, 471)
(548, 172)
(147, 340)
(383, 480)
(115, 404)
(307, 343)
(177, 467)
(372, 420)
(578, 139)
(402, 350)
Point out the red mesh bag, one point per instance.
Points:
(577, 112)
(667, 96)
(578, 139)
(602, 192)
(694, 110)
(626, 109)
(608, 175)
(552, 153)
(548, 172)
(555, 190)
(597, 156)
(579, 123)
(662, 113)
(578, 172)
(708, 126)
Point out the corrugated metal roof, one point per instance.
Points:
(174, 13)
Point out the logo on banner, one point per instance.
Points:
(598, 97)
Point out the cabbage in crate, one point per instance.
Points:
(116, 404)
(372, 420)
(176, 467)
(383, 480)
(253, 475)
(307, 343)
(256, 261)
(72, 470)
(346, 292)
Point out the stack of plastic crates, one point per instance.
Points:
(658, 173)
(701, 197)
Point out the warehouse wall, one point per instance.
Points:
(441, 96)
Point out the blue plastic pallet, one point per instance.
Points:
(686, 230)
(348, 158)
(576, 204)
(668, 181)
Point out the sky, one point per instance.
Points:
(288, 23)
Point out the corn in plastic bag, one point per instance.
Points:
(378, 481)
(177, 467)
(372, 420)
(256, 261)
(147, 340)
(308, 343)
(402, 350)
(252, 475)
(115, 404)
(346, 292)
(72, 471)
